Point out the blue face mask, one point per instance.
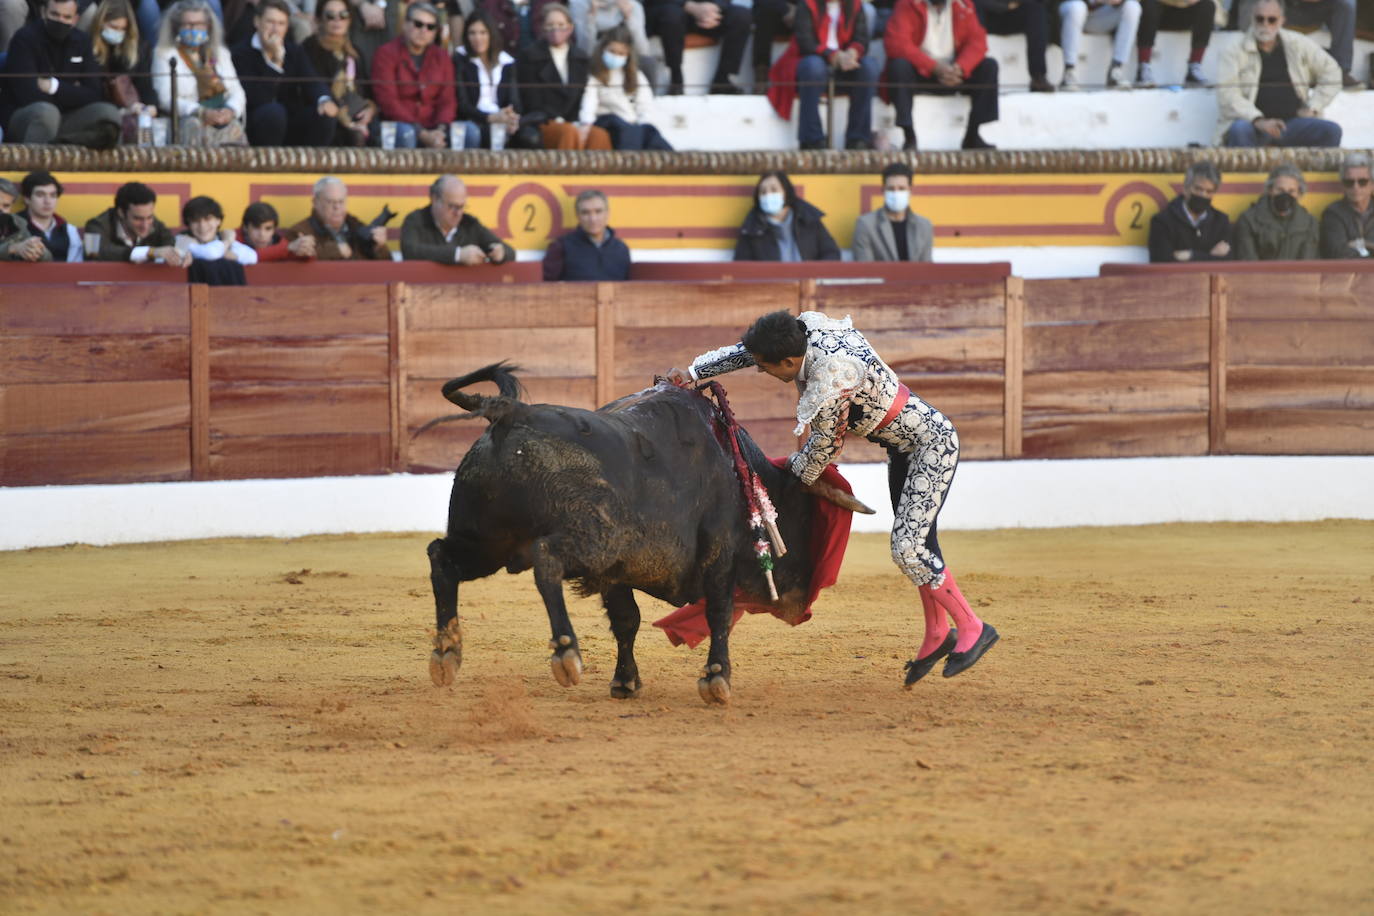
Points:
(613, 61)
(193, 38)
(897, 201)
(772, 202)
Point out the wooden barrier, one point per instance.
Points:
(127, 382)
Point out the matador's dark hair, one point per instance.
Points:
(776, 336)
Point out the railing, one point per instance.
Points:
(129, 382)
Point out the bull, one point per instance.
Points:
(640, 495)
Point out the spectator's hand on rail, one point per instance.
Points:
(496, 253)
(471, 256)
(302, 246)
(1221, 249)
(1184, 255)
(171, 256)
(30, 249)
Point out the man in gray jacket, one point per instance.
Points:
(1348, 224)
(893, 232)
(444, 232)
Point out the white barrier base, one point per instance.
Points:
(986, 494)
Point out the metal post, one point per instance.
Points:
(174, 127)
(830, 111)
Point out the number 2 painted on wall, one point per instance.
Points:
(529, 217)
(1137, 211)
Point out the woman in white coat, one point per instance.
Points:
(207, 100)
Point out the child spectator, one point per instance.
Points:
(259, 232)
(782, 226)
(207, 100)
(829, 36)
(618, 95)
(486, 84)
(339, 64)
(202, 238)
(594, 18)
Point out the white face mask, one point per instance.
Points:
(613, 61)
(897, 201)
(112, 36)
(772, 202)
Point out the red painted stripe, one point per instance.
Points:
(671, 190)
(688, 232)
(256, 191)
(1027, 229)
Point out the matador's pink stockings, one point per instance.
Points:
(937, 623)
(948, 598)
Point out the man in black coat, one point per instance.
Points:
(591, 251)
(288, 104)
(66, 103)
(1190, 228)
(671, 20)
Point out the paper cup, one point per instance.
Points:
(388, 135)
(456, 135)
(498, 136)
(91, 242)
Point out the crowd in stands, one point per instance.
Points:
(779, 227)
(544, 74)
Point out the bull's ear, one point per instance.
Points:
(837, 496)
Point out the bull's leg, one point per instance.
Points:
(624, 614)
(714, 684)
(566, 661)
(447, 656)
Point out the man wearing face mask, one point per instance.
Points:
(1277, 227)
(56, 92)
(1273, 84)
(1190, 228)
(893, 232)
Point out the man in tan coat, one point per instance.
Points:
(1273, 84)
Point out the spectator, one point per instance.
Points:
(486, 85)
(1194, 16)
(66, 103)
(593, 18)
(893, 232)
(1189, 228)
(202, 238)
(259, 232)
(412, 80)
(1261, 102)
(591, 251)
(1337, 15)
(552, 77)
(338, 62)
(518, 21)
(445, 233)
(207, 101)
(121, 56)
(618, 96)
(1013, 17)
(129, 231)
(1347, 229)
(1277, 227)
(939, 46)
(338, 234)
(782, 226)
(1120, 17)
(373, 24)
(288, 104)
(671, 20)
(829, 38)
(773, 20)
(41, 193)
(16, 242)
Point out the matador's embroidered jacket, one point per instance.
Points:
(839, 372)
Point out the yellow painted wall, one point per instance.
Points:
(679, 211)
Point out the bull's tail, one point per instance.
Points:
(488, 408)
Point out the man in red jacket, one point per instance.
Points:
(412, 81)
(939, 46)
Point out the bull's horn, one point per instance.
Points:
(839, 497)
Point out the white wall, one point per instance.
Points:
(986, 494)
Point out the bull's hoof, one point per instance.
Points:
(623, 690)
(443, 668)
(713, 686)
(566, 662)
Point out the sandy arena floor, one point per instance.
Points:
(1179, 719)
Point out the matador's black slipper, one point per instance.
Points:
(962, 661)
(920, 667)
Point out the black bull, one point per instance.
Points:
(641, 494)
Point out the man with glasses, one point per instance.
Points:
(338, 234)
(413, 82)
(444, 232)
(1348, 224)
(1273, 84)
(1190, 228)
(56, 93)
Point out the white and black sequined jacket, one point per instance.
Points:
(840, 371)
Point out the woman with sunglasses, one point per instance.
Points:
(553, 75)
(412, 81)
(340, 65)
(1348, 224)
